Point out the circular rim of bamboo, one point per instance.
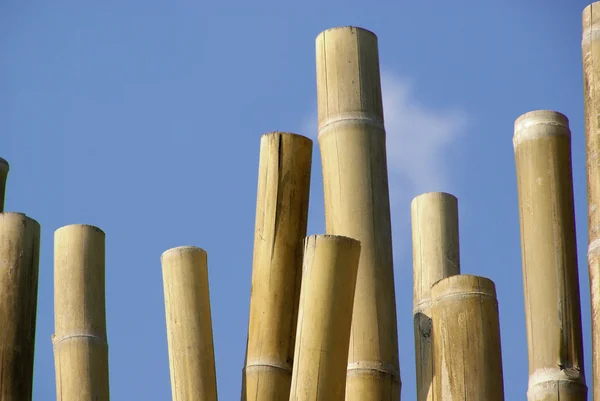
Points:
(184, 248)
(455, 286)
(341, 27)
(72, 226)
(287, 133)
(331, 237)
(433, 193)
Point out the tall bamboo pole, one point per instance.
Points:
(435, 256)
(4, 168)
(19, 266)
(189, 324)
(542, 145)
(466, 340)
(80, 345)
(281, 219)
(353, 155)
(325, 318)
(590, 49)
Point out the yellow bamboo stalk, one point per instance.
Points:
(19, 266)
(189, 324)
(4, 168)
(325, 318)
(435, 256)
(466, 341)
(353, 156)
(542, 144)
(590, 49)
(80, 344)
(281, 219)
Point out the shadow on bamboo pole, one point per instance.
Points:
(542, 145)
(355, 182)
(4, 168)
(590, 49)
(325, 318)
(466, 340)
(19, 266)
(435, 256)
(189, 324)
(80, 344)
(281, 219)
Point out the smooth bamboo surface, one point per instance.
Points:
(281, 220)
(436, 256)
(189, 324)
(542, 145)
(355, 181)
(4, 168)
(590, 49)
(466, 341)
(19, 266)
(325, 318)
(80, 344)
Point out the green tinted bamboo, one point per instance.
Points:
(435, 256)
(353, 156)
(590, 48)
(4, 168)
(19, 266)
(542, 144)
(281, 219)
(466, 340)
(325, 318)
(189, 324)
(80, 344)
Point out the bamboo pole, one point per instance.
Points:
(189, 324)
(80, 345)
(542, 145)
(19, 266)
(435, 257)
(353, 156)
(325, 318)
(466, 341)
(281, 219)
(4, 168)
(590, 49)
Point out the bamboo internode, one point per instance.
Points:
(80, 344)
(325, 317)
(355, 182)
(590, 49)
(189, 324)
(281, 220)
(435, 256)
(4, 168)
(542, 145)
(19, 264)
(466, 340)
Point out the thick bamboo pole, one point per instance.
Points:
(435, 256)
(590, 49)
(80, 345)
(281, 219)
(325, 318)
(466, 340)
(19, 266)
(4, 168)
(542, 145)
(353, 155)
(189, 324)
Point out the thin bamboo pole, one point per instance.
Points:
(189, 324)
(466, 340)
(281, 219)
(590, 49)
(353, 156)
(542, 145)
(435, 257)
(325, 318)
(4, 168)
(19, 266)
(80, 344)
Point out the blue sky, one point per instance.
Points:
(144, 118)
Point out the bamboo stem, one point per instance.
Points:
(80, 344)
(4, 168)
(325, 318)
(189, 324)
(542, 144)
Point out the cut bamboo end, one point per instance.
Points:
(538, 124)
(189, 324)
(4, 169)
(325, 318)
(590, 23)
(19, 267)
(466, 341)
(80, 344)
